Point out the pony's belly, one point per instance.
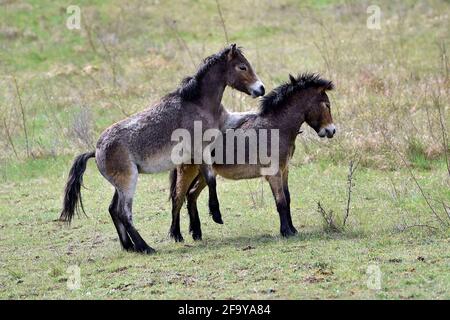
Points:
(156, 163)
(237, 172)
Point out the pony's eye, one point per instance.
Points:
(243, 67)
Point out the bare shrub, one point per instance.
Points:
(81, 130)
(331, 222)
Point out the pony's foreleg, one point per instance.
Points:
(276, 184)
(213, 202)
(288, 199)
(194, 191)
(185, 174)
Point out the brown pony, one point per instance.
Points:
(142, 143)
(302, 99)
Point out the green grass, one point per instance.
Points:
(244, 258)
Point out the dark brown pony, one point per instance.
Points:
(142, 143)
(302, 99)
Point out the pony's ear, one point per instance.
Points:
(291, 77)
(232, 52)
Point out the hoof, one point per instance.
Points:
(286, 233)
(145, 250)
(217, 218)
(128, 246)
(149, 250)
(197, 237)
(177, 237)
(293, 229)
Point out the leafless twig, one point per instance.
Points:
(222, 20)
(418, 226)
(328, 218)
(111, 59)
(91, 42)
(172, 26)
(444, 138)
(8, 136)
(430, 206)
(351, 169)
(22, 111)
(444, 58)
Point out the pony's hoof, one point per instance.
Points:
(149, 250)
(197, 237)
(217, 218)
(128, 247)
(177, 237)
(286, 233)
(145, 250)
(294, 230)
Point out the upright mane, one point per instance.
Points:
(189, 88)
(278, 96)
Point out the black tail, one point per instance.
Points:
(173, 183)
(72, 195)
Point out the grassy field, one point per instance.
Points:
(60, 88)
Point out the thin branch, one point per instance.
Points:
(420, 187)
(444, 138)
(222, 20)
(351, 169)
(22, 111)
(111, 59)
(328, 218)
(419, 226)
(10, 140)
(180, 40)
(444, 58)
(446, 209)
(91, 42)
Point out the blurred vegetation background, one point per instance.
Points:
(60, 88)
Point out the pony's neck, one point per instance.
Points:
(212, 86)
(292, 116)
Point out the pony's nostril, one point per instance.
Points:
(262, 90)
(334, 131)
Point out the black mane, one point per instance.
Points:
(189, 88)
(278, 96)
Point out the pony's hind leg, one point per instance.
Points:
(185, 174)
(192, 195)
(287, 195)
(276, 185)
(126, 217)
(113, 161)
(124, 238)
(125, 183)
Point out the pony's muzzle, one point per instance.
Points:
(257, 89)
(327, 131)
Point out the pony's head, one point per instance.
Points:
(318, 114)
(240, 74)
(305, 99)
